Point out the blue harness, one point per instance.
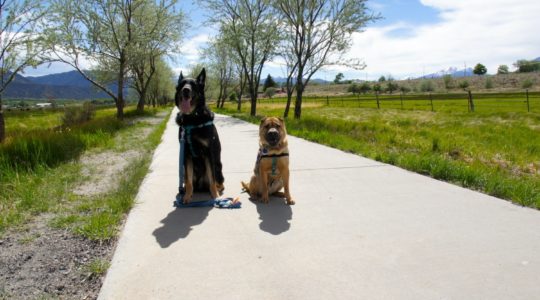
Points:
(187, 129)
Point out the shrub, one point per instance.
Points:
(464, 84)
(489, 83)
(448, 82)
(527, 84)
(74, 115)
(270, 92)
(426, 86)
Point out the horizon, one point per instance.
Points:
(433, 35)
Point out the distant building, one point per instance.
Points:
(44, 105)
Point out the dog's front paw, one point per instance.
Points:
(264, 199)
(290, 201)
(187, 198)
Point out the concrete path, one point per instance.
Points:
(360, 230)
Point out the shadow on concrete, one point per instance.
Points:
(274, 216)
(179, 223)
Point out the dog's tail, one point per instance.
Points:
(245, 186)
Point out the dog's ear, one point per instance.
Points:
(202, 77)
(180, 78)
(281, 120)
(263, 119)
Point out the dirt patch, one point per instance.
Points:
(41, 262)
(100, 170)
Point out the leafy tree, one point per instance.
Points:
(382, 79)
(365, 87)
(391, 86)
(103, 31)
(377, 88)
(161, 88)
(503, 69)
(269, 82)
(158, 29)
(354, 89)
(221, 62)
(448, 81)
(270, 92)
(525, 66)
(464, 84)
(338, 78)
(527, 84)
(404, 89)
(426, 86)
(251, 29)
(316, 31)
(480, 69)
(21, 42)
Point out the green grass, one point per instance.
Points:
(493, 152)
(97, 267)
(483, 102)
(39, 169)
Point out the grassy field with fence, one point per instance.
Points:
(495, 150)
(487, 102)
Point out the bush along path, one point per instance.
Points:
(59, 220)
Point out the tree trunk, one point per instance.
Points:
(2, 124)
(142, 99)
(299, 92)
(120, 92)
(288, 105)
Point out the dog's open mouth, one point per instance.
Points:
(185, 104)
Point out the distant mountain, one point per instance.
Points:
(454, 72)
(67, 85)
(536, 59)
(72, 78)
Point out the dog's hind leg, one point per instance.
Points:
(211, 180)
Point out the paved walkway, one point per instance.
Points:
(360, 230)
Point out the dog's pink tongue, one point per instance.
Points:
(185, 106)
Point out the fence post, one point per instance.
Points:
(431, 101)
(377, 97)
(528, 105)
(327, 101)
(401, 98)
(471, 102)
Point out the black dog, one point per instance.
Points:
(202, 166)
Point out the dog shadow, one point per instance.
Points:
(179, 223)
(275, 216)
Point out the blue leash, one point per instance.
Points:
(179, 201)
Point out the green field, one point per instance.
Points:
(483, 102)
(493, 151)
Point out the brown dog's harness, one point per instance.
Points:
(263, 153)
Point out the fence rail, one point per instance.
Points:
(472, 102)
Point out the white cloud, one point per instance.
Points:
(469, 31)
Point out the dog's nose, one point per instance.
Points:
(186, 92)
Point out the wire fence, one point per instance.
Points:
(473, 102)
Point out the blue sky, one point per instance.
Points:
(415, 37)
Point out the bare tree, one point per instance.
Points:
(318, 33)
(21, 42)
(250, 27)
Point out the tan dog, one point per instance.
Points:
(271, 172)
